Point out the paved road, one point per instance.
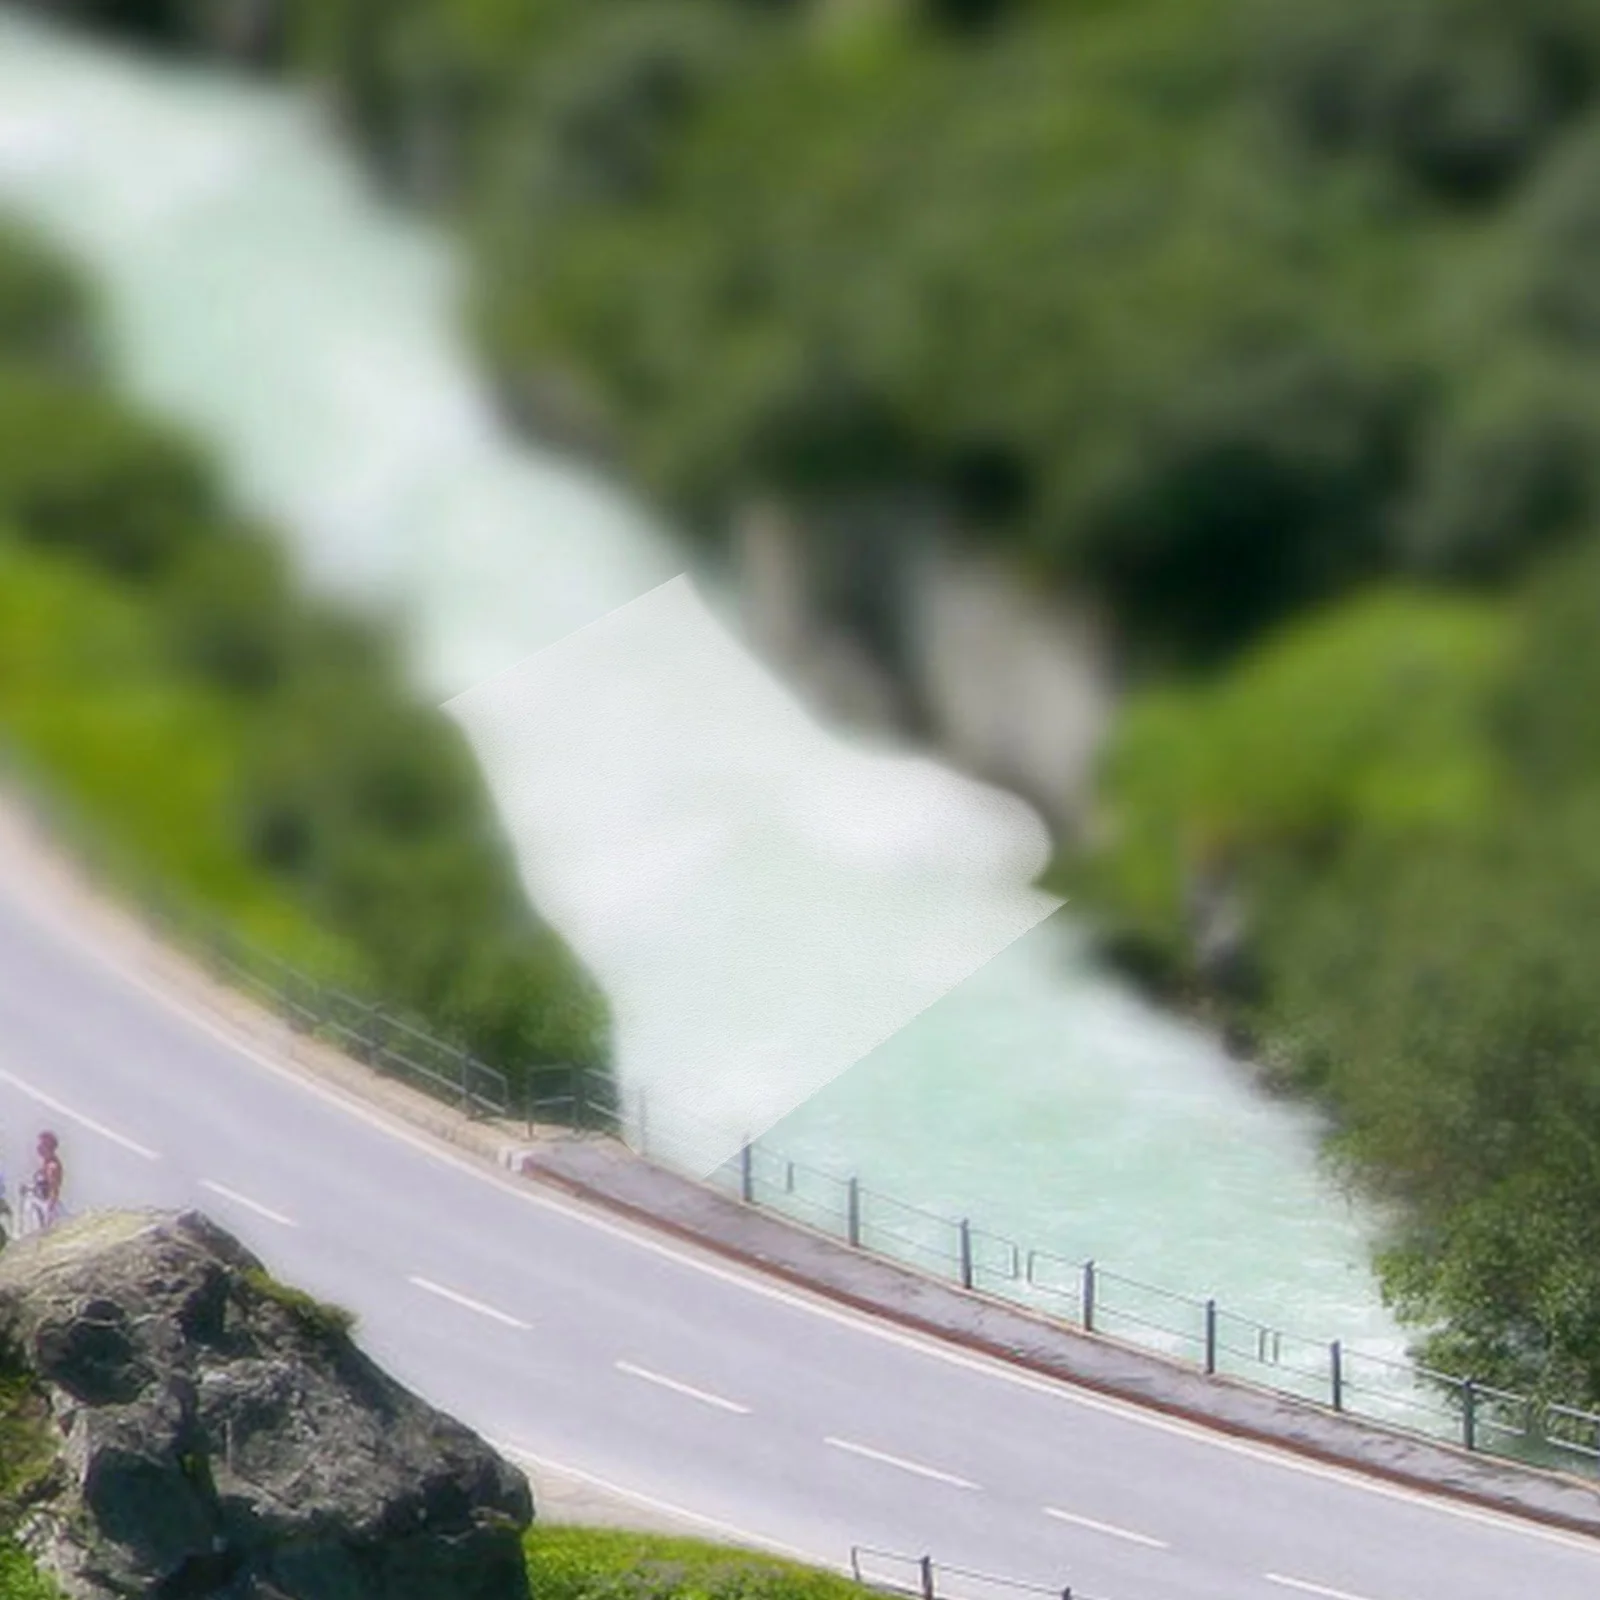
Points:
(590, 1344)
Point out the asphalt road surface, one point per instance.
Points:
(563, 1334)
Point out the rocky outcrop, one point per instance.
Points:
(221, 1436)
(899, 625)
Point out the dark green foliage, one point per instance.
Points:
(1406, 797)
(1460, 96)
(79, 474)
(1216, 308)
(42, 311)
(26, 1457)
(315, 1317)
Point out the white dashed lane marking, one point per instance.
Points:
(87, 1123)
(687, 1389)
(900, 1462)
(249, 1204)
(1107, 1528)
(466, 1301)
(1303, 1586)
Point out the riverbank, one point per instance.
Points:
(1039, 1092)
(250, 752)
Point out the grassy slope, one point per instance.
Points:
(604, 1564)
(89, 692)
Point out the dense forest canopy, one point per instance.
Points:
(1216, 307)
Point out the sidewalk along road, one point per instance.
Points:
(680, 1379)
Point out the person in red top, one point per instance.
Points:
(48, 1179)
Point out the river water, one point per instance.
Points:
(258, 293)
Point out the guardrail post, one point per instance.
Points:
(747, 1173)
(853, 1213)
(966, 1253)
(1469, 1414)
(1336, 1373)
(644, 1121)
(580, 1099)
(1088, 1297)
(1211, 1338)
(927, 1579)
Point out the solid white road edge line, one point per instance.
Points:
(1311, 1588)
(1106, 1527)
(751, 1282)
(470, 1304)
(666, 1507)
(663, 1382)
(51, 1103)
(249, 1204)
(900, 1462)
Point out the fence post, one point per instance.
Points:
(1211, 1338)
(1469, 1414)
(966, 1253)
(927, 1578)
(853, 1213)
(1336, 1373)
(747, 1173)
(1088, 1297)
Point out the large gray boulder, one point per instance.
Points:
(222, 1436)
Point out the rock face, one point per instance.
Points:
(1013, 684)
(223, 1437)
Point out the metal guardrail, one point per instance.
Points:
(890, 1572)
(1081, 1292)
(380, 1036)
(1199, 1331)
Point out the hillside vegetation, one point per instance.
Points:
(246, 745)
(1271, 327)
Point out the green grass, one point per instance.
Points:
(1371, 720)
(20, 1579)
(316, 1317)
(605, 1564)
(24, 1455)
(92, 698)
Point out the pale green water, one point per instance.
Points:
(260, 295)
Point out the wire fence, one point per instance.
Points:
(1188, 1328)
(890, 1572)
